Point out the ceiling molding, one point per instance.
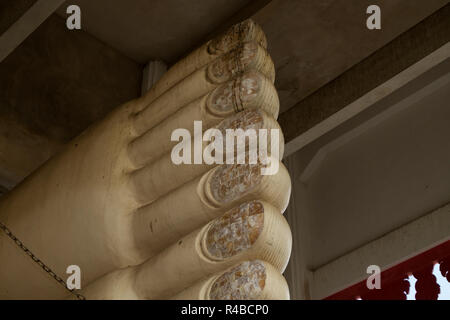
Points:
(26, 24)
(367, 82)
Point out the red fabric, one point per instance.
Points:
(394, 284)
(445, 268)
(426, 286)
(396, 290)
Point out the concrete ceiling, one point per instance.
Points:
(159, 29)
(311, 43)
(384, 168)
(10, 12)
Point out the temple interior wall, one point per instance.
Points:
(376, 182)
(374, 187)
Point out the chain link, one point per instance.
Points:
(39, 262)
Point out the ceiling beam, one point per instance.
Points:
(246, 12)
(26, 24)
(367, 82)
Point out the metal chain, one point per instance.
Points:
(39, 262)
